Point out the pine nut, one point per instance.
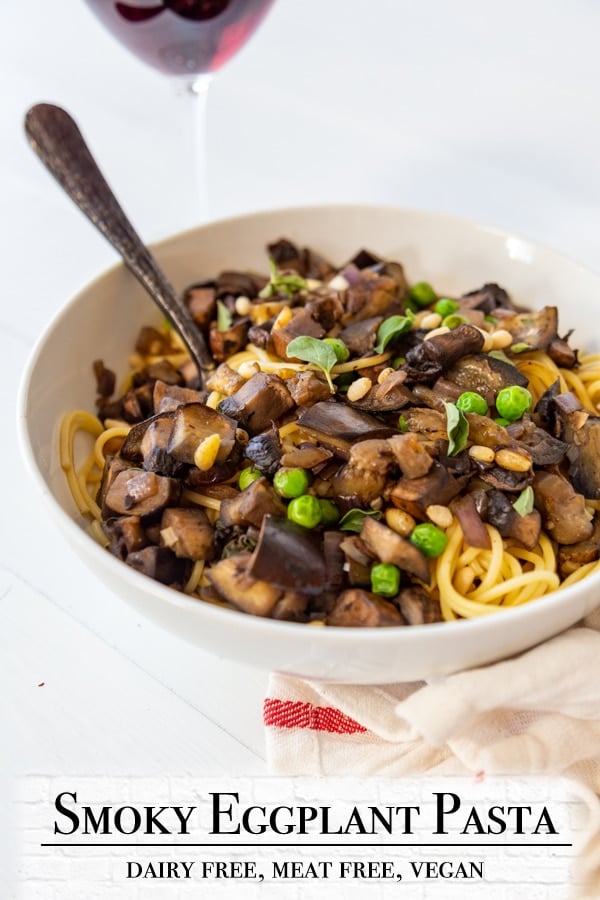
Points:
(213, 399)
(243, 305)
(436, 331)
(481, 453)
(512, 461)
(385, 373)
(283, 318)
(399, 521)
(501, 339)
(431, 320)
(439, 515)
(359, 388)
(248, 368)
(488, 343)
(207, 452)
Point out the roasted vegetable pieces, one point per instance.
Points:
(353, 422)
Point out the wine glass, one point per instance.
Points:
(187, 39)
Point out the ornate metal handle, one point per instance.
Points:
(58, 142)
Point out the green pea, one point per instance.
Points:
(305, 510)
(454, 320)
(291, 482)
(402, 424)
(339, 348)
(247, 476)
(445, 307)
(500, 421)
(385, 579)
(429, 539)
(330, 514)
(472, 402)
(512, 402)
(422, 293)
(398, 361)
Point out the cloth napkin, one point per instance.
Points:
(537, 714)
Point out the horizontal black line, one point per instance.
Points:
(346, 846)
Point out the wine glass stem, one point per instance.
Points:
(194, 172)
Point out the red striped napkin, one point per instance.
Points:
(537, 714)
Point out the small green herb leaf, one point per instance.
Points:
(457, 427)
(392, 328)
(520, 348)
(224, 317)
(500, 354)
(524, 502)
(354, 518)
(288, 285)
(314, 351)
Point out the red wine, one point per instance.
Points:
(182, 37)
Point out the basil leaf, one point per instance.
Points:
(524, 502)
(224, 317)
(288, 285)
(457, 427)
(314, 351)
(354, 518)
(392, 328)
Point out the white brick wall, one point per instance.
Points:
(91, 873)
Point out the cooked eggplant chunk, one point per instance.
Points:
(188, 533)
(338, 426)
(138, 493)
(544, 449)
(167, 397)
(466, 511)
(231, 580)
(301, 323)
(252, 505)
(430, 358)
(573, 556)
(410, 454)
(356, 608)
(503, 516)
(414, 495)
(418, 607)
(365, 474)
(289, 557)
(563, 510)
(159, 563)
(487, 299)
(581, 431)
(389, 547)
(307, 388)
(262, 400)
(153, 447)
(537, 330)
(485, 375)
(193, 423)
(264, 451)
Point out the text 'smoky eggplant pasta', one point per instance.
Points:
(366, 451)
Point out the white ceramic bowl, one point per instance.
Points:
(456, 256)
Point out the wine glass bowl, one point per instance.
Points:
(182, 37)
(188, 40)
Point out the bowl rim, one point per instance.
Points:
(251, 624)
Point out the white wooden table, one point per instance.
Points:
(484, 110)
